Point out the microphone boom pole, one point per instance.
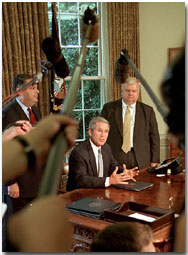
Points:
(38, 77)
(156, 101)
(53, 170)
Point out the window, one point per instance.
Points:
(91, 94)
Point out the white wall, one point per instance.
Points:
(162, 26)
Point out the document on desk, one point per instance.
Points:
(135, 186)
(92, 207)
(142, 217)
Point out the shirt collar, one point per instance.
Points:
(125, 105)
(24, 107)
(94, 147)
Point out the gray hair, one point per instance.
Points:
(131, 80)
(93, 122)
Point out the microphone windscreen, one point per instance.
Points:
(89, 16)
(121, 72)
(53, 53)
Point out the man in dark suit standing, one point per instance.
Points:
(91, 163)
(24, 188)
(133, 137)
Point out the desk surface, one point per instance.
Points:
(167, 193)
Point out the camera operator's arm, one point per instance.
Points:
(42, 227)
(20, 127)
(14, 158)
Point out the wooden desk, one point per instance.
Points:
(167, 193)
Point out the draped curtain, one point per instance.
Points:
(24, 26)
(123, 20)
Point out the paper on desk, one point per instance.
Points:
(141, 217)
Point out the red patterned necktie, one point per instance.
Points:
(32, 116)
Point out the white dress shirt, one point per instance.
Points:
(95, 151)
(24, 108)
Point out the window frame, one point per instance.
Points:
(100, 77)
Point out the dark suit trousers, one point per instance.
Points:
(17, 204)
(130, 159)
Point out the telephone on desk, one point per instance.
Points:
(174, 164)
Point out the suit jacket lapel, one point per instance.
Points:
(92, 158)
(20, 112)
(118, 116)
(105, 157)
(138, 120)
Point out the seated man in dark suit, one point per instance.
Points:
(91, 163)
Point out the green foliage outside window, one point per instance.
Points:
(89, 100)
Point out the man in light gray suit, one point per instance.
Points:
(144, 148)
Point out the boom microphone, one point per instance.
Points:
(90, 17)
(53, 167)
(53, 53)
(121, 71)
